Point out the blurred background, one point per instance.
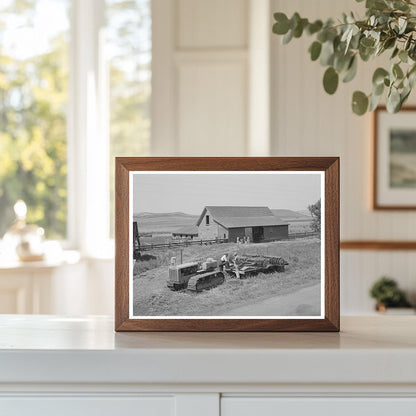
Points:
(83, 81)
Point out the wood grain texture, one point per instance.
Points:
(376, 204)
(330, 165)
(378, 245)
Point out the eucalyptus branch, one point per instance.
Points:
(388, 25)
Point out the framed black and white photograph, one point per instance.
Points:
(247, 248)
(394, 176)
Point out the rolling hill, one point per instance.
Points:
(163, 222)
(289, 215)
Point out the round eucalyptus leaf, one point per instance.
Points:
(281, 27)
(314, 27)
(393, 101)
(374, 102)
(351, 71)
(330, 80)
(367, 42)
(359, 103)
(378, 89)
(315, 50)
(379, 75)
(327, 54)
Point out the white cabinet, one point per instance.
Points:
(79, 366)
(271, 406)
(87, 406)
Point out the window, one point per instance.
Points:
(75, 87)
(207, 220)
(129, 45)
(33, 105)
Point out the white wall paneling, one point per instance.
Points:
(308, 122)
(210, 77)
(259, 78)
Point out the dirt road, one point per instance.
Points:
(303, 302)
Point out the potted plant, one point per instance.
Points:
(387, 294)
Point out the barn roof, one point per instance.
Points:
(190, 230)
(238, 222)
(238, 216)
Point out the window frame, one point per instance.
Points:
(88, 133)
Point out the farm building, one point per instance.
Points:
(257, 223)
(186, 232)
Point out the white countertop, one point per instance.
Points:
(52, 349)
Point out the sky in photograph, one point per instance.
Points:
(190, 193)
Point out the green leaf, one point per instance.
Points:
(359, 103)
(341, 62)
(393, 101)
(351, 71)
(314, 27)
(330, 80)
(376, 4)
(327, 53)
(367, 42)
(397, 71)
(402, 24)
(403, 96)
(298, 30)
(315, 50)
(408, 42)
(281, 27)
(403, 56)
(379, 75)
(288, 37)
(322, 36)
(395, 52)
(378, 89)
(389, 43)
(374, 101)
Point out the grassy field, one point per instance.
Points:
(302, 226)
(164, 223)
(152, 297)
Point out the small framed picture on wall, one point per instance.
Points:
(394, 178)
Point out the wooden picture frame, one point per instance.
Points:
(132, 167)
(390, 191)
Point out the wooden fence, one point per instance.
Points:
(303, 235)
(186, 243)
(182, 243)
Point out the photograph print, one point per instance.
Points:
(226, 245)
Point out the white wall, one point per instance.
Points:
(308, 122)
(211, 71)
(200, 77)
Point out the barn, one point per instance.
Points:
(186, 232)
(230, 223)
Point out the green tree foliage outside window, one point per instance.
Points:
(33, 100)
(129, 38)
